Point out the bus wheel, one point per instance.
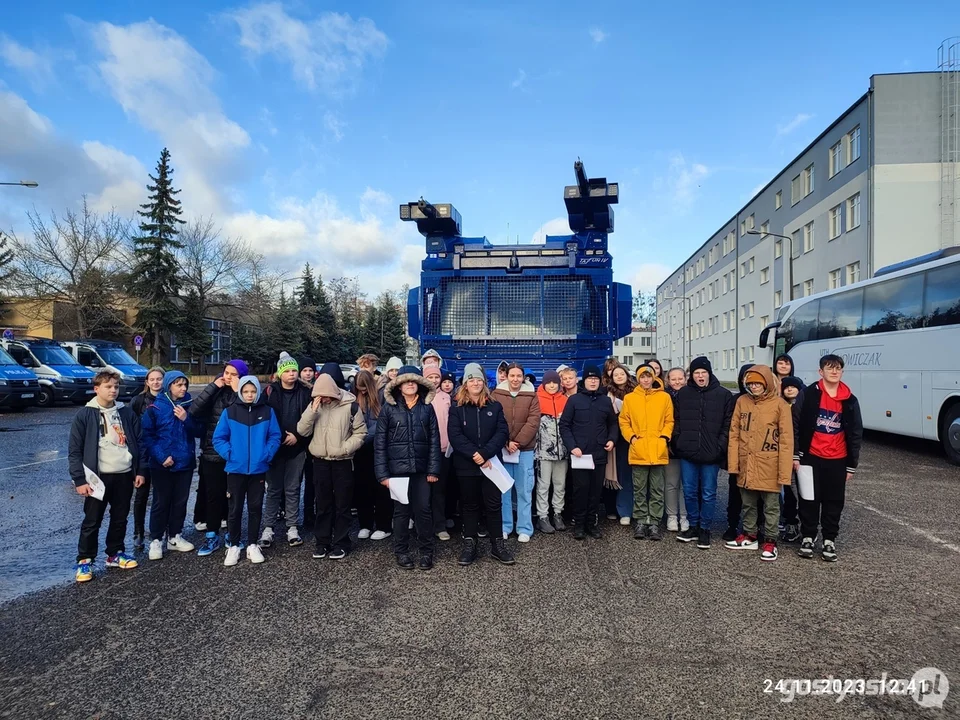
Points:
(951, 434)
(44, 396)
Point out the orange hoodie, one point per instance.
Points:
(551, 405)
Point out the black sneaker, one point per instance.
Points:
(791, 534)
(579, 533)
(730, 534)
(468, 554)
(639, 530)
(426, 562)
(829, 552)
(138, 541)
(594, 532)
(501, 552)
(558, 523)
(688, 535)
(405, 561)
(320, 553)
(337, 554)
(703, 542)
(806, 548)
(482, 532)
(653, 532)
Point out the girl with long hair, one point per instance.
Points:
(152, 387)
(374, 505)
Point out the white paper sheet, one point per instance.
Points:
(400, 489)
(94, 481)
(512, 458)
(584, 462)
(805, 482)
(498, 473)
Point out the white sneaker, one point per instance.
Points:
(266, 537)
(672, 524)
(411, 523)
(179, 544)
(156, 550)
(684, 524)
(625, 521)
(223, 524)
(253, 554)
(506, 535)
(233, 556)
(293, 536)
(523, 537)
(380, 535)
(200, 527)
(611, 516)
(364, 534)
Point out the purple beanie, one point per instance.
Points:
(240, 366)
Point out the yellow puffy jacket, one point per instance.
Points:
(646, 422)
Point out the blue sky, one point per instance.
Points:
(301, 126)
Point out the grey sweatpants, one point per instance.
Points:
(283, 476)
(673, 491)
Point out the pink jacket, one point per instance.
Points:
(441, 406)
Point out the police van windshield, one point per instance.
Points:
(5, 358)
(116, 356)
(53, 355)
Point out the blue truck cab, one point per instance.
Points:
(96, 355)
(19, 387)
(60, 376)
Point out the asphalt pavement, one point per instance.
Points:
(605, 628)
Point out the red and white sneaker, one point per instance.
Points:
(743, 542)
(769, 552)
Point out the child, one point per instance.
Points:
(169, 447)
(831, 432)
(141, 497)
(646, 422)
(247, 437)
(447, 384)
(105, 438)
(791, 388)
(551, 453)
(568, 380)
(673, 485)
(441, 488)
(760, 453)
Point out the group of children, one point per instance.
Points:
(645, 446)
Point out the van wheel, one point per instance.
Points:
(950, 435)
(45, 397)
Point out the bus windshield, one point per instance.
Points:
(53, 355)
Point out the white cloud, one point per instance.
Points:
(798, 120)
(648, 276)
(681, 184)
(519, 80)
(325, 53)
(557, 226)
(598, 35)
(38, 67)
(125, 176)
(334, 124)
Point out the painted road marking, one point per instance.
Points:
(39, 462)
(919, 531)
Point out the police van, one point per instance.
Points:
(19, 386)
(60, 376)
(98, 355)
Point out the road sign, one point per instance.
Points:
(8, 334)
(138, 341)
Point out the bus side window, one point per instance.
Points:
(941, 305)
(893, 305)
(841, 315)
(801, 326)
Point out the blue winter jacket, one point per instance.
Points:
(163, 435)
(248, 434)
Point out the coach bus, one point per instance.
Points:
(899, 336)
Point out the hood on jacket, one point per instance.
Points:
(332, 369)
(392, 392)
(431, 354)
(784, 356)
(551, 404)
(249, 380)
(764, 374)
(843, 391)
(743, 371)
(526, 387)
(94, 404)
(655, 388)
(170, 377)
(326, 386)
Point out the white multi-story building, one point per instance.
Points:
(878, 186)
(636, 348)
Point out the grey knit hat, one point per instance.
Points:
(473, 370)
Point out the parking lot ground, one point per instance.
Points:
(604, 628)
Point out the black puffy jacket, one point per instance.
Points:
(407, 440)
(473, 429)
(207, 408)
(141, 402)
(701, 422)
(588, 422)
(288, 406)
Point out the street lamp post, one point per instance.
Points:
(789, 240)
(24, 183)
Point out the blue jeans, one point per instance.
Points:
(699, 492)
(522, 474)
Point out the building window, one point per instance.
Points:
(645, 341)
(778, 249)
(852, 141)
(808, 287)
(743, 269)
(853, 212)
(796, 190)
(836, 159)
(764, 320)
(726, 323)
(743, 312)
(751, 265)
(750, 309)
(751, 222)
(743, 228)
(726, 284)
(833, 281)
(778, 200)
(777, 299)
(795, 245)
(808, 181)
(733, 319)
(853, 273)
(835, 222)
(808, 237)
(765, 227)
(765, 276)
